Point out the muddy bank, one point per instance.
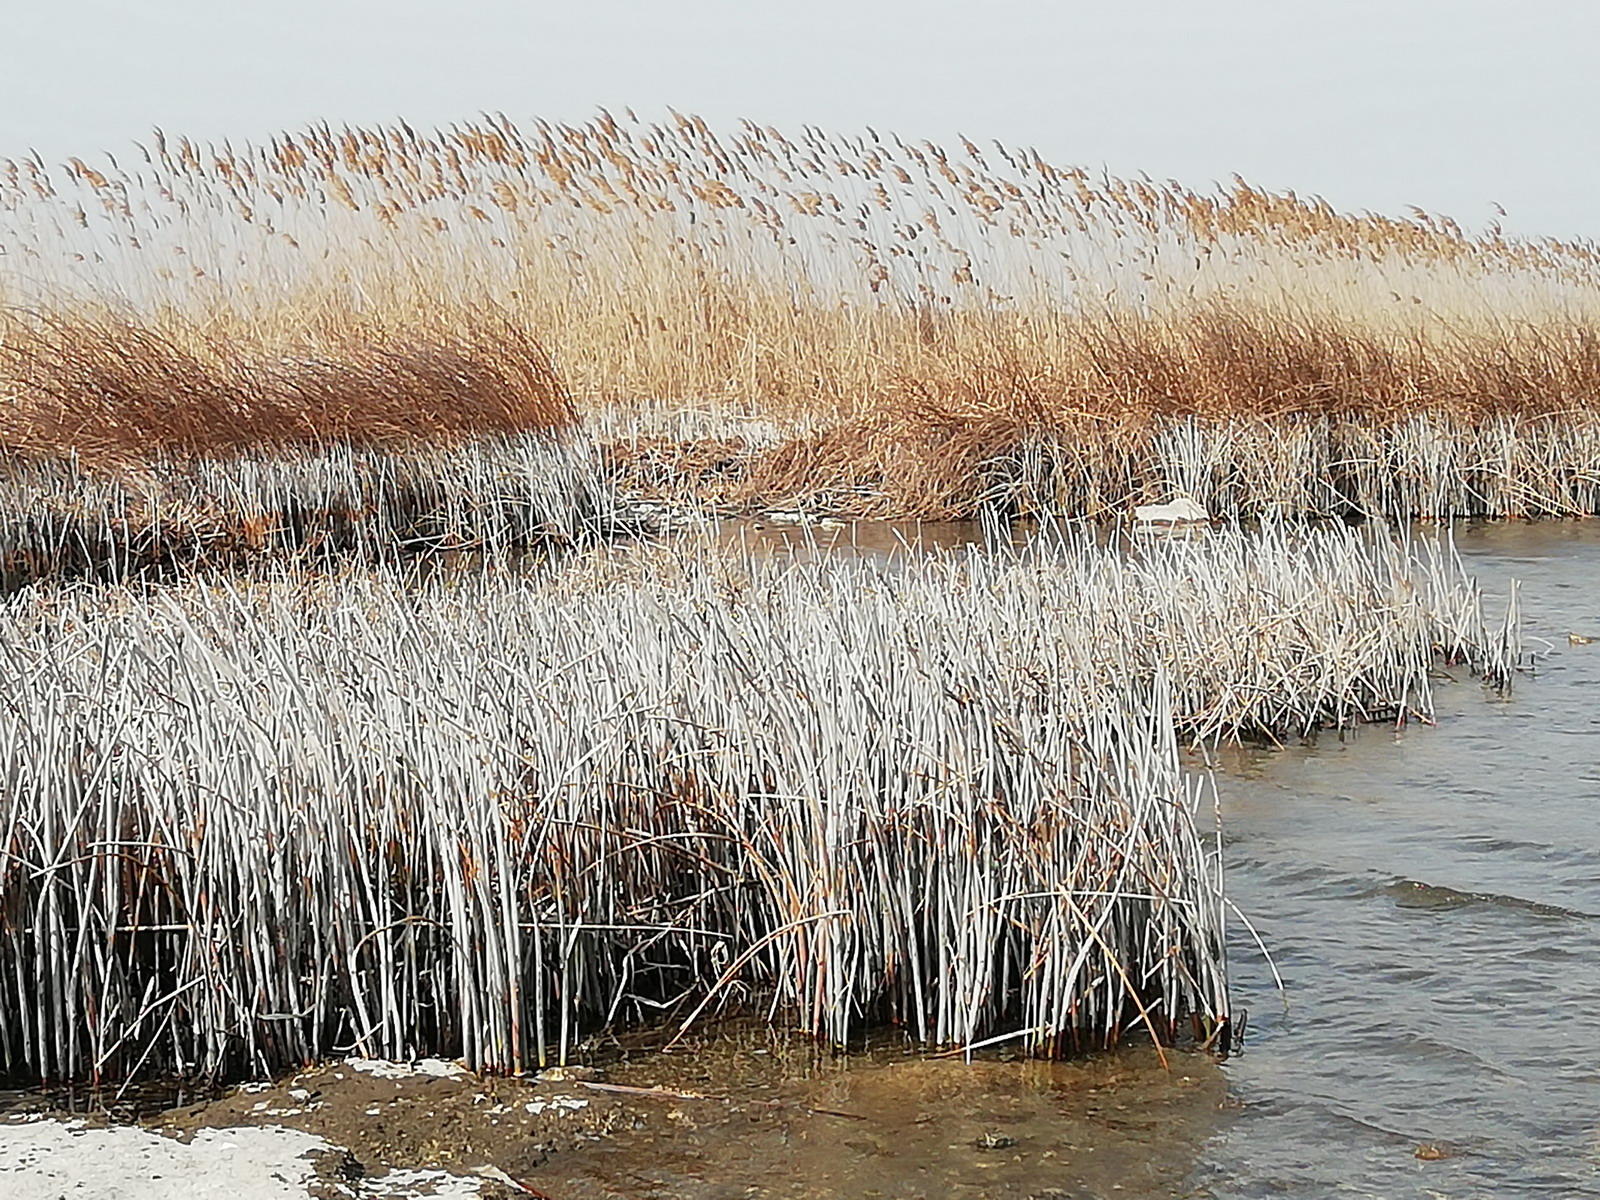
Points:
(903, 1127)
(724, 1118)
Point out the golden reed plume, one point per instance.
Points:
(863, 323)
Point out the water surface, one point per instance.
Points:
(1432, 897)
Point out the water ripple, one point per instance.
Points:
(1429, 895)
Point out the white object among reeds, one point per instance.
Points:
(1181, 511)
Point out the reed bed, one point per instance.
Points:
(1247, 470)
(245, 825)
(916, 325)
(124, 451)
(306, 504)
(112, 389)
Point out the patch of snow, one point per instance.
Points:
(1182, 511)
(47, 1160)
(433, 1068)
(555, 1104)
(400, 1185)
(496, 1174)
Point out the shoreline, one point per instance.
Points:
(741, 1117)
(321, 503)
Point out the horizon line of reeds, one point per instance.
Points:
(902, 316)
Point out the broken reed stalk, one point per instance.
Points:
(244, 825)
(910, 326)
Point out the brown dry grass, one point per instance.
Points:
(113, 388)
(895, 315)
(1099, 392)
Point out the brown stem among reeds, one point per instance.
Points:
(310, 504)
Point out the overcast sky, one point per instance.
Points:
(1451, 105)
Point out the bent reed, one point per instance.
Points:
(864, 325)
(248, 824)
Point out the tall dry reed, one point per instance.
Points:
(245, 825)
(898, 316)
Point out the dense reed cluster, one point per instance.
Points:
(865, 323)
(123, 450)
(112, 389)
(312, 503)
(247, 824)
(1238, 469)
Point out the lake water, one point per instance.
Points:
(1432, 898)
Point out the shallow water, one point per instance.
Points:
(1432, 898)
(770, 1120)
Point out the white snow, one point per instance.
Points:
(435, 1068)
(556, 1104)
(56, 1160)
(1181, 511)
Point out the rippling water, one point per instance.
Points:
(1432, 898)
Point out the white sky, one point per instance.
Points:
(1446, 104)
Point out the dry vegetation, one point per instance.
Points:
(861, 324)
(117, 390)
(247, 823)
(246, 826)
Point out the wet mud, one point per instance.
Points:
(749, 1116)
